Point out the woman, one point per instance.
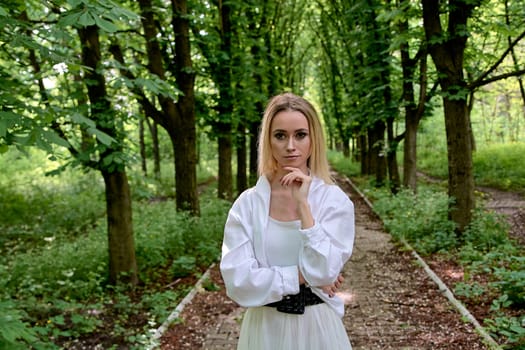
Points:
(287, 239)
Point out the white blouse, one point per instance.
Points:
(251, 280)
(283, 242)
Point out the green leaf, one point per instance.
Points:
(102, 136)
(74, 3)
(70, 19)
(80, 119)
(86, 19)
(54, 138)
(105, 25)
(59, 319)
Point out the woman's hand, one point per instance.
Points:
(334, 287)
(299, 182)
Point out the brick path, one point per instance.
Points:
(375, 280)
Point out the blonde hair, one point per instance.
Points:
(317, 162)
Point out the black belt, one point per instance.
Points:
(295, 304)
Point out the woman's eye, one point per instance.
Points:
(279, 136)
(301, 135)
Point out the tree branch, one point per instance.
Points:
(481, 80)
(479, 83)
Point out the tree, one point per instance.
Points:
(220, 63)
(122, 260)
(94, 139)
(177, 118)
(414, 74)
(447, 49)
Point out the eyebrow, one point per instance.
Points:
(298, 130)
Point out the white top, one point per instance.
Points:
(283, 242)
(249, 277)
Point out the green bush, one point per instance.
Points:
(511, 281)
(420, 219)
(36, 212)
(343, 164)
(62, 269)
(497, 165)
(14, 332)
(487, 231)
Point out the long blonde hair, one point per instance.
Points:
(317, 162)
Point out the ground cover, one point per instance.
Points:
(49, 302)
(428, 320)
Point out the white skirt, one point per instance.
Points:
(319, 328)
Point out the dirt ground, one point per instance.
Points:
(391, 303)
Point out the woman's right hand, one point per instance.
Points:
(334, 287)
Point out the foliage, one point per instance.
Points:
(497, 165)
(36, 209)
(420, 219)
(14, 332)
(511, 328)
(55, 289)
(484, 249)
(343, 164)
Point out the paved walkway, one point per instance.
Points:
(390, 302)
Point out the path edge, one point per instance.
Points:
(154, 342)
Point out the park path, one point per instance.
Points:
(391, 302)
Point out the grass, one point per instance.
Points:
(485, 250)
(497, 165)
(501, 166)
(53, 257)
(53, 252)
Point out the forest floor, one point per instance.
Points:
(391, 303)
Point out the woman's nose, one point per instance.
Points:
(291, 144)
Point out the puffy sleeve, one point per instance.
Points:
(248, 282)
(328, 244)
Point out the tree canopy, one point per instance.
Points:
(78, 75)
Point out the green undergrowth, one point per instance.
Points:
(54, 290)
(500, 166)
(484, 249)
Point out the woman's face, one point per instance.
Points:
(290, 140)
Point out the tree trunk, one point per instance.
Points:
(223, 77)
(225, 187)
(153, 126)
(178, 119)
(242, 178)
(447, 51)
(410, 150)
(186, 137)
(122, 261)
(376, 152)
(142, 148)
(121, 244)
(460, 175)
(393, 169)
(254, 133)
(516, 66)
(363, 154)
(413, 111)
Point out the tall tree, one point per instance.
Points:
(118, 197)
(101, 144)
(414, 82)
(215, 43)
(177, 118)
(447, 48)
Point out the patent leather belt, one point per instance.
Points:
(295, 304)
